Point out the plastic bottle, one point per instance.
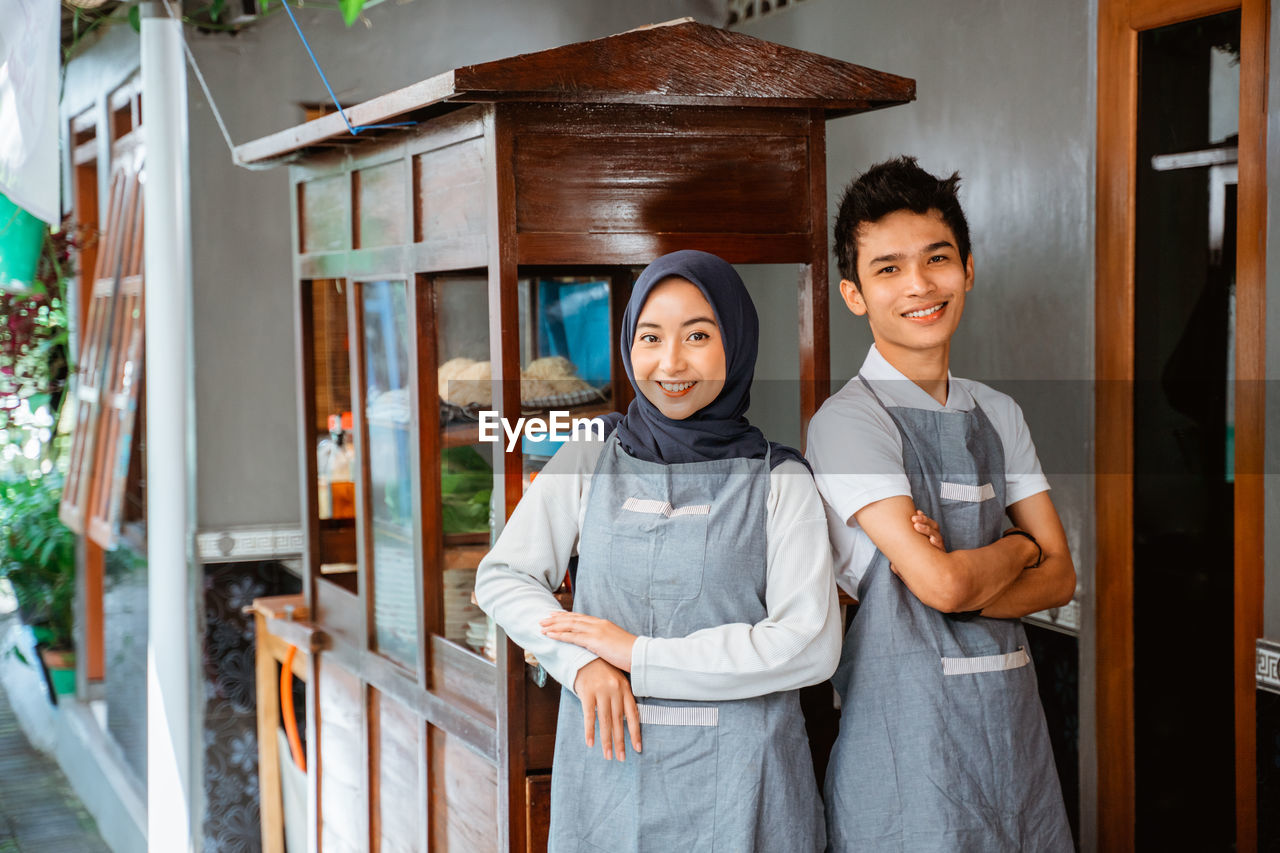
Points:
(342, 485)
(324, 460)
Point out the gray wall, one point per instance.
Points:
(1013, 111)
(1006, 95)
(244, 348)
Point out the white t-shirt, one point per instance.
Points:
(856, 452)
(797, 644)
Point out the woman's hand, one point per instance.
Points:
(927, 528)
(606, 695)
(598, 636)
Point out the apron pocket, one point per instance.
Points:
(659, 550)
(630, 561)
(966, 510)
(676, 800)
(986, 663)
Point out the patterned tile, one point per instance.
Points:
(231, 823)
(1268, 772)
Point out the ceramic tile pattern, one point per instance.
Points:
(1057, 663)
(230, 709)
(1268, 772)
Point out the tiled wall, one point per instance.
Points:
(1268, 772)
(230, 721)
(1057, 661)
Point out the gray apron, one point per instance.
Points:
(667, 550)
(942, 744)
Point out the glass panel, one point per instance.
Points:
(331, 425)
(1183, 568)
(566, 347)
(390, 458)
(124, 605)
(566, 356)
(382, 205)
(466, 465)
(324, 204)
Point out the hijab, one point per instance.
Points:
(720, 429)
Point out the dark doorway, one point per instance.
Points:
(1185, 254)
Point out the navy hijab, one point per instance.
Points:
(720, 429)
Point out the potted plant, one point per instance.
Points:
(37, 556)
(37, 553)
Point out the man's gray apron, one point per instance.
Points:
(942, 744)
(667, 550)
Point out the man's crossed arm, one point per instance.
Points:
(994, 579)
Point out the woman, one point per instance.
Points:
(704, 573)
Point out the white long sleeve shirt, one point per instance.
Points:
(796, 644)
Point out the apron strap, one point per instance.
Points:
(867, 385)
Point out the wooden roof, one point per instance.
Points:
(679, 63)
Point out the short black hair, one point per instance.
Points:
(897, 184)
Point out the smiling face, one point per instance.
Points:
(913, 283)
(677, 355)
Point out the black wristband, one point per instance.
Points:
(1016, 531)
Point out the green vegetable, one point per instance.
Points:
(466, 482)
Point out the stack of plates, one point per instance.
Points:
(491, 640)
(458, 609)
(477, 634)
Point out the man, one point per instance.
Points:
(942, 742)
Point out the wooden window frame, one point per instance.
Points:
(1119, 24)
(113, 263)
(105, 464)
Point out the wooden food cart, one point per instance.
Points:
(523, 190)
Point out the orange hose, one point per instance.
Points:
(286, 710)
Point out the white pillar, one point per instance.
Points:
(171, 740)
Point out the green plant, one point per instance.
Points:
(230, 16)
(34, 360)
(37, 555)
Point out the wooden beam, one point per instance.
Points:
(270, 798)
(504, 349)
(1250, 426)
(814, 297)
(1113, 425)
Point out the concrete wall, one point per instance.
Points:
(244, 347)
(1006, 95)
(1014, 113)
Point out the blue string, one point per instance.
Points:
(325, 80)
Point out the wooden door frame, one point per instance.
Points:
(1119, 22)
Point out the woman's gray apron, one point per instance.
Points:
(667, 550)
(942, 744)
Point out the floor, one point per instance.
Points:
(38, 811)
